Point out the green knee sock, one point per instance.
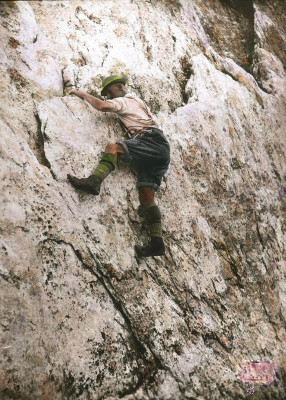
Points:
(153, 218)
(106, 165)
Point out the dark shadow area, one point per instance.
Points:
(230, 27)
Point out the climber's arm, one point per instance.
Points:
(98, 104)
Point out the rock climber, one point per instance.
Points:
(146, 146)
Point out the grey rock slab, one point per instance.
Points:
(81, 315)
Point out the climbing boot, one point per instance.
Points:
(92, 183)
(89, 185)
(155, 247)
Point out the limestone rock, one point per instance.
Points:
(81, 316)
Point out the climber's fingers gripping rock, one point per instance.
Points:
(73, 91)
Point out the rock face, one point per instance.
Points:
(81, 316)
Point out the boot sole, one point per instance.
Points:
(140, 254)
(84, 189)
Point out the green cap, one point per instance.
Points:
(109, 80)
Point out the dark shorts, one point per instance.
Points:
(150, 153)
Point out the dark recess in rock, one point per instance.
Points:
(39, 145)
(230, 28)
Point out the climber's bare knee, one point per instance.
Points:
(147, 196)
(114, 148)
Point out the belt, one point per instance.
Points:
(142, 131)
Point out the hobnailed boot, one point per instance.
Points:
(155, 247)
(89, 185)
(92, 184)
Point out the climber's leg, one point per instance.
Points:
(106, 165)
(114, 148)
(153, 217)
(146, 197)
(109, 160)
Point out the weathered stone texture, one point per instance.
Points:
(81, 316)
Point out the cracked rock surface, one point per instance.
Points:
(81, 316)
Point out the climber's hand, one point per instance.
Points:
(73, 91)
(78, 93)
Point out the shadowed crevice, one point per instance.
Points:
(40, 146)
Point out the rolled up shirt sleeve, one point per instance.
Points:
(117, 103)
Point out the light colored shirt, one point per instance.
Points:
(134, 113)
